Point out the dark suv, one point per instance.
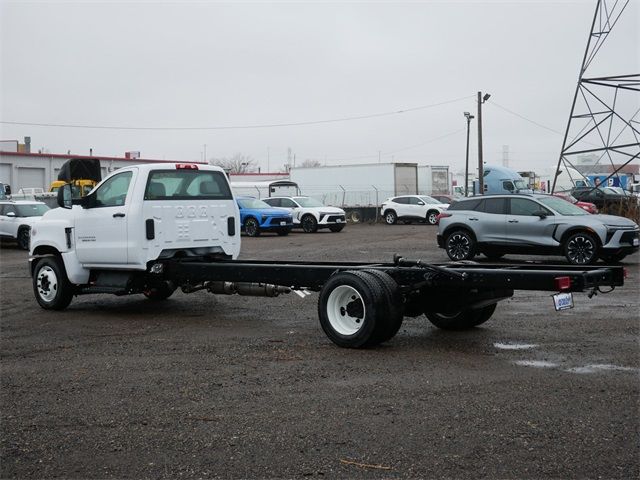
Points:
(533, 224)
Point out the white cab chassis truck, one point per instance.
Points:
(150, 229)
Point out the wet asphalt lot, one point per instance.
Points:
(231, 387)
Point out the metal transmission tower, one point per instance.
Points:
(603, 120)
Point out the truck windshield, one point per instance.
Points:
(252, 203)
(33, 210)
(308, 202)
(187, 185)
(562, 206)
(429, 200)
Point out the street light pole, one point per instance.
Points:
(466, 168)
(481, 100)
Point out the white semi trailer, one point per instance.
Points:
(358, 189)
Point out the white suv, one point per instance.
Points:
(412, 208)
(17, 219)
(310, 214)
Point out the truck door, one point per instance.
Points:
(101, 230)
(525, 227)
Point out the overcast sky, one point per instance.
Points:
(217, 64)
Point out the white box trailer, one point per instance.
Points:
(358, 189)
(433, 180)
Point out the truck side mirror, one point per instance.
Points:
(64, 196)
(7, 189)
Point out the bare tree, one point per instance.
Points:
(239, 163)
(310, 163)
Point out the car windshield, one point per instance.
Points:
(429, 200)
(308, 202)
(562, 206)
(252, 203)
(32, 210)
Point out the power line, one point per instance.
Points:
(524, 118)
(239, 127)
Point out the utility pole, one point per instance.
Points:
(481, 100)
(205, 153)
(466, 168)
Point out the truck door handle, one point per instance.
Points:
(513, 221)
(118, 215)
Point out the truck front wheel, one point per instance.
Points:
(51, 286)
(462, 319)
(352, 310)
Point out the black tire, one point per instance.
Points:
(355, 216)
(393, 301)
(462, 319)
(581, 249)
(460, 245)
(613, 258)
(160, 292)
(51, 286)
(251, 227)
(390, 217)
(336, 228)
(309, 223)
(283, 232)
(432, 217)
(351, 308)
(24, 238)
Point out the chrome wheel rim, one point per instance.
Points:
(459, 246)
(581, 250)
(390, 218)
(345, 310)
(47, 283)
(432, 218)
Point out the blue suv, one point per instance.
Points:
(257, 216)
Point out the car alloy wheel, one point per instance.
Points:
(459, 246)
(581, 249)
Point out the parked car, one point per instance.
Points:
(599, 196)
(17, 219)
(412, 208)
(310, 214)
(257, 216)
(536, 224)
(586, 206)
(448, 199)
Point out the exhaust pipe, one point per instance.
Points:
(248, 289)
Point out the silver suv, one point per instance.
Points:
(533, 224)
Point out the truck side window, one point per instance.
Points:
(113, 192)
(508, 185)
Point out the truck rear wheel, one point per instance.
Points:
(51, 286)
(462, 319)
(351, 308)
(393, 302)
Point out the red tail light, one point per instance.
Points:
(625, 272)
(563, 283)
(442, 215)
(188, 166)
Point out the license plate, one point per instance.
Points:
(283, 223)
(563, 301)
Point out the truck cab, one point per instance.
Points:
(135, 216)
(501, 180)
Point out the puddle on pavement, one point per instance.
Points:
(536, 363)
(514, 346)
(607, 367)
